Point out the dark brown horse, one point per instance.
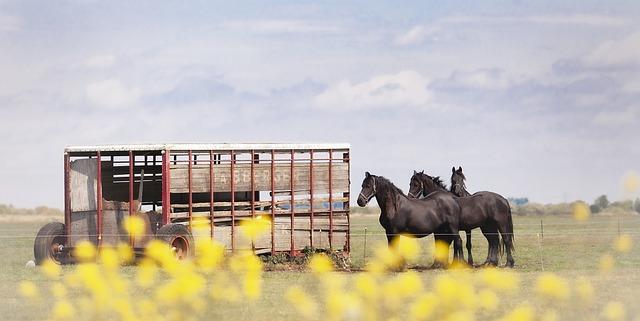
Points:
(487, 210)
(438, 212)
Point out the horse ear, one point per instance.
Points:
(453, 169)
(460, 169)
(422, 172)
(415, 172)
(366, 174)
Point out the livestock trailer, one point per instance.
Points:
(302, 188)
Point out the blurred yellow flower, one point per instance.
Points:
(28, 289)
(441, 252)
(63, 310)
(552, 286)
(623, 243)
(499, 280)
(409, 283)
(209, 254)
(460, 316)
(134, 225)
(407, 247)
(85, 251)
(584, 290)
(320, 263)
(58, 290)
(488, 300)
(51, 269)
(125, 253)
(109, 258)
(607, 263)
(254, 227)
(424, 306)
(581, 211)
(521, 313)
(301, 301)
(366, 286)
(631, 182)
(550, 315)
(385, 257)
(614, 311)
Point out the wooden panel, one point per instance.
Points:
(242, 177)
(83, 185)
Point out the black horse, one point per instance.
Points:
(438, 212)
(487, 210)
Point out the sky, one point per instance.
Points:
(533, 99)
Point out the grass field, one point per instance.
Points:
(563, 245)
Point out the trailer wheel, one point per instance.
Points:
(179, 238)
(49, 243)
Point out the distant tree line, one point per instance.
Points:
(40, 210)
(600, 204)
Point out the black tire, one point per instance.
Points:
(48, 243)
(179, 238)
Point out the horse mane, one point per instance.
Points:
(460, 183)
(386, 187)
(438, 181)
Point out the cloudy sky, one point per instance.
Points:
(538, 100)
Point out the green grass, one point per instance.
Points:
(569, 248)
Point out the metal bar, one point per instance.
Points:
(154, 179)
(67, 195)
(211, 188)
(273, 203)
(131, 175)
(253, 188)
(190, 179)
(166, 183)
(292, 203)
(330, 199)
(347, 204)
(311, 197)
(233, 201)
(99, 198)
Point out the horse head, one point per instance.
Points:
(368, 191)
(416, 185)
(457, 181)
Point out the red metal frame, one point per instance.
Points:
(166, 184)
(99, 219)
(273, 202)
(293, 205)
(331, 199)
(311, 197)
(67, 195)
(233, 201)
(190, 179)
(211, 190)
(131, 177)
(346, 158)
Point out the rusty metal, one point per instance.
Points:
(211, 190)
(166, 184)
(233, 201)
(131, 176)
(293, 211)
(311, 197)
(99, 218)
(253, 187)
(190, 179)
(346, 205)
(273, 203)
(331, 199)
(67, 195)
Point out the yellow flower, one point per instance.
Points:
(125, 253)
(460, 316)
(28, 289)
(146, 274)
(423, 307)
(109, 258)
(320, 263)
(581, 211)
(409, 283)
(210, 254)
(499, 280)
(63, 310)
(407, 247)
(384, 257)
(134, 225)
(301, 301)
(614, 311)
(521, 313)
(623, 243)
(552, 286)
(254, 227)
(584, 289)
(488, 300)
(85, 251)
(550, 315)
(607, 263)
(441, 253)
(51, 269)
(366, 285)
(631, 182)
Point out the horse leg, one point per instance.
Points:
(470, 258)
(507, 240)
(439, 264)
(491, 234)
(457, 244)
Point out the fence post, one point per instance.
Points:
(364, 254)
(541, 229)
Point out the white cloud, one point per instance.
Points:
(10, 23)
(486, 79)
(280, 26)
(416, 35)
(111, 93)
(575, 19)
(100, 61)
(615, 118)
(404, 89)
(618, 52)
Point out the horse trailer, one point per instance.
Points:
(302, 188)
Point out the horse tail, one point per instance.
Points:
(510, 229)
